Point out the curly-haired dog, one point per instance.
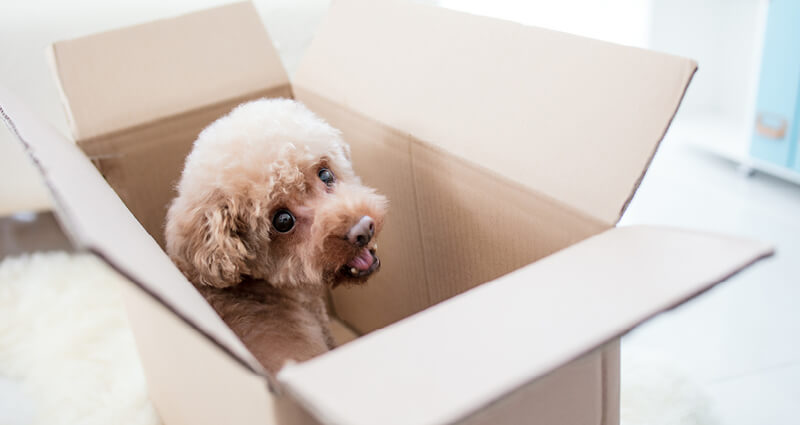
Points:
(269, 215)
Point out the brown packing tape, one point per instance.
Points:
(452, 225)
(143, 164)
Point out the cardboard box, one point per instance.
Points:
(509, 154)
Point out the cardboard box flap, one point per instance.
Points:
(125, 78)
(460, 355)
(573, 118)
(97, 220)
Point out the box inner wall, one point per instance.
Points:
(452, 225)
(144, 164)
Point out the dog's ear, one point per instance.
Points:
(207, 242)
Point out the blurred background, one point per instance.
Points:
(726, 37)
(730, 162)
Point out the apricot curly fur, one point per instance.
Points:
(269, 287)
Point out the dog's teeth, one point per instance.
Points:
(353, 270)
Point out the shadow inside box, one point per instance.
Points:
(26, 232)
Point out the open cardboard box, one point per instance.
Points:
(509, 153)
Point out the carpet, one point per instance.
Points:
(65, 342)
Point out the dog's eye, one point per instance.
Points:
(326, 176)
(283, 221)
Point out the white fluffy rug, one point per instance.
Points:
(66, 346)
(656, 392)
(68, 357)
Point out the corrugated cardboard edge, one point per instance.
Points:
(62, 215)
(638, 181)
(50, 57)
(70, 227)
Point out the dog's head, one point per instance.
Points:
(269, 192)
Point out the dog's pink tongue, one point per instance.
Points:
(363, 260)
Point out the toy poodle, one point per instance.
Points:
(269, 215)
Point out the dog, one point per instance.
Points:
(268, 216)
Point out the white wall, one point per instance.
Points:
(721, 34)
(724, 36)
(619, 21)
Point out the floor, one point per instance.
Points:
(29, 231)
(740, 340)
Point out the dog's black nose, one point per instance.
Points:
(362, 232)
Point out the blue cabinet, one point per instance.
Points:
(777, 117)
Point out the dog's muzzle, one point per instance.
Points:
(365, 262)
(363, 231)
